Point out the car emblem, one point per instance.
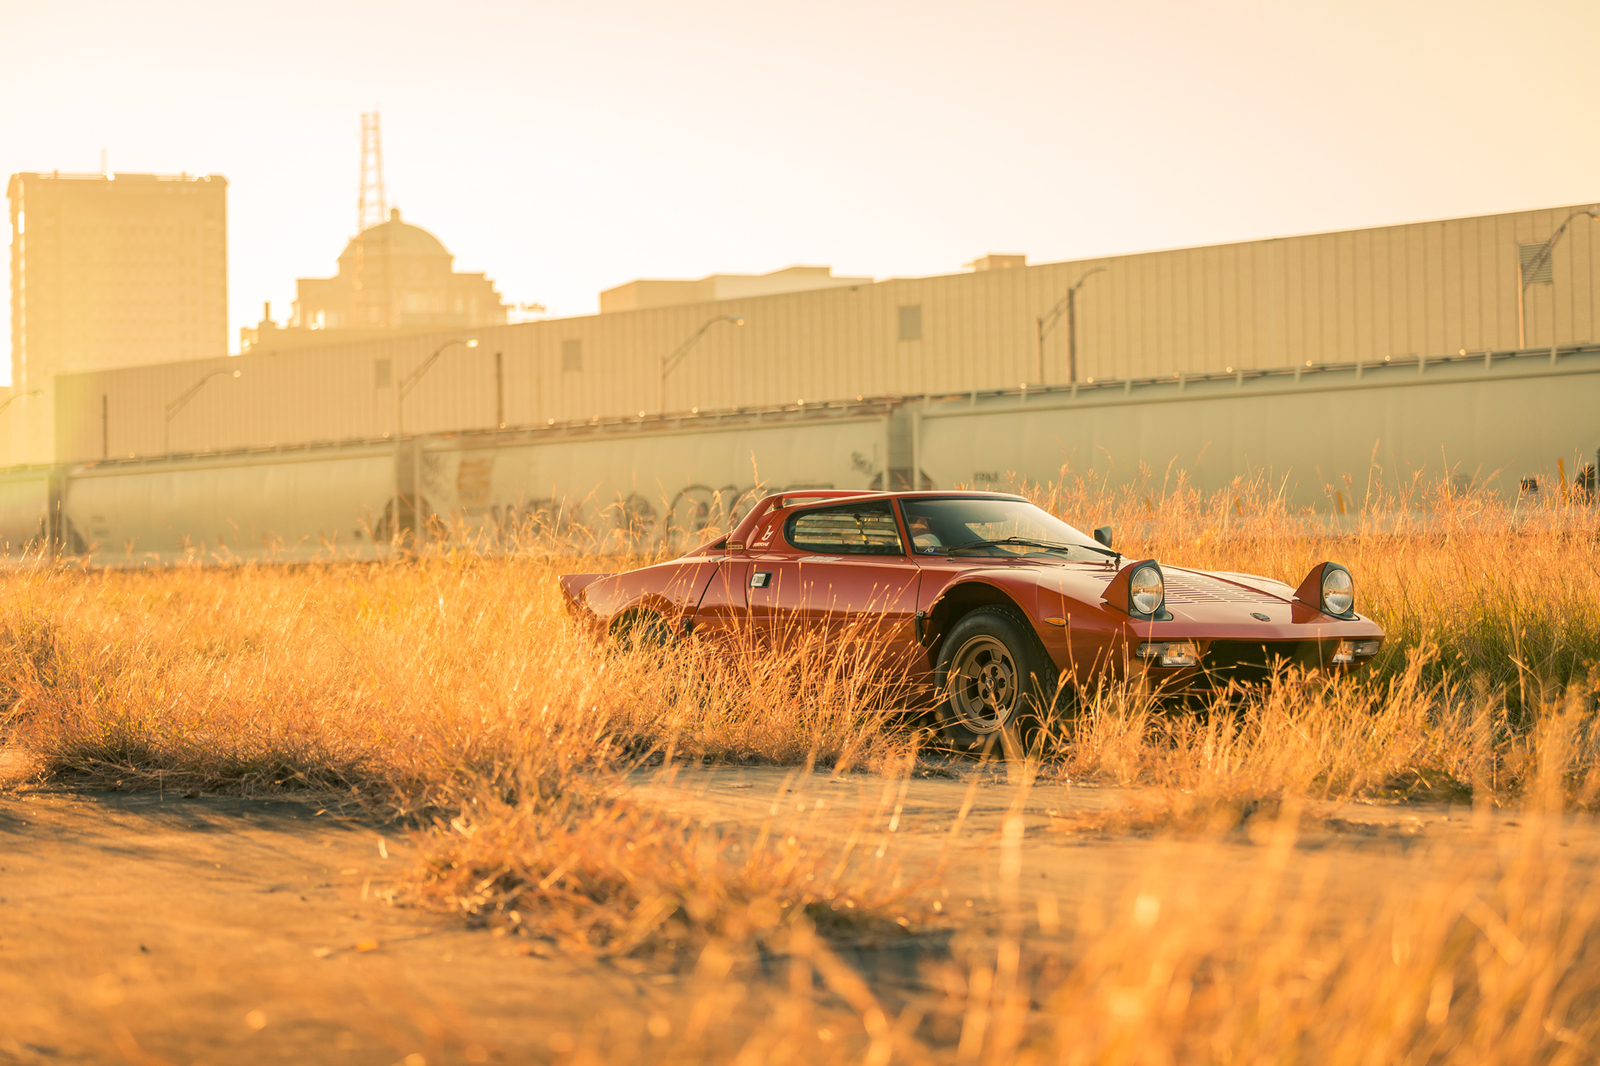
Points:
(1260, 616)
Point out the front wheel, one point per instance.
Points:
(993, 677)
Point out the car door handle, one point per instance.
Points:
(761, 579)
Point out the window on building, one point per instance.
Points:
(911, 322)
(851, 529)
(1543, 274)
(571, 355)
(383, 373)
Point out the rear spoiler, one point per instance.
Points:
(736, 540)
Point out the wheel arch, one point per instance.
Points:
(960, 600)
(669, 590)
(627, 617)
(640, 614)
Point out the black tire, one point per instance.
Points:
(995, 683)
(637, 630)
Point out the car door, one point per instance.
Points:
(723, 614)
(837, 578)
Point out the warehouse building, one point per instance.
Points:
(1404, 292)
(1425, 290)
(1464, 347)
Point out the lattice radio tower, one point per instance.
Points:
(374, 209)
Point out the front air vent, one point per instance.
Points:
(1249, 662)
(1186, 589)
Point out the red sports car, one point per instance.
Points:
(982, 604)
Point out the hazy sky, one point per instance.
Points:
(565, 148)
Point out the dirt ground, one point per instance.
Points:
(150, 928)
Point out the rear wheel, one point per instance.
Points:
(640, 629)
(995, 682)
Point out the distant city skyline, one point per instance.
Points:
(565, 151)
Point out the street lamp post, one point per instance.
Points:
(669, 363)
(1525, 274)
(1068, 305)
(182, 401)
(409, 382)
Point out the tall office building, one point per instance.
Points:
(108, 271)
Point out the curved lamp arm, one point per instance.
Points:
(1549, 246)
(1086, 275)
(182, 401)
(1048, 320)
(669, 363)
(409, 382)
(13, 399)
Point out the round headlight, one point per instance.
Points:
(1145, 590)
(1338, 591)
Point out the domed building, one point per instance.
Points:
(393, 276)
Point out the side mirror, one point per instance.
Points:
(1103, 535)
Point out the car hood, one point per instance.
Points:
(1192, 595)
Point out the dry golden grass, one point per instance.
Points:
(415, 684)
(451, 691)
(1473, 957)
(616, 879)
(1501, 595)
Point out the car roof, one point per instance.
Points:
(785, 501)
(825, 496)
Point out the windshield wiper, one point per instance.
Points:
(1024, 542)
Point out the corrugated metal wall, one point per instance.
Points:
(1430, 288)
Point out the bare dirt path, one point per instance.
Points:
(1077, 840)
(145, 928)
(148, 928)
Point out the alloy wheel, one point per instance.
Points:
(984, 688)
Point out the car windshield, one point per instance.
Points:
(987, 526)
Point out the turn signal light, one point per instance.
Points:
(1351, 650)
(1170, 652)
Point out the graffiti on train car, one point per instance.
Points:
(616, 501)
(634, 520)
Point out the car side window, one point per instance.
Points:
(847, 529)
